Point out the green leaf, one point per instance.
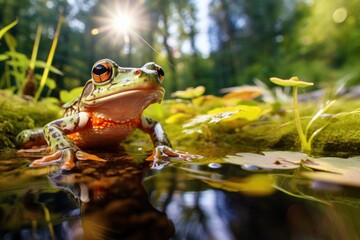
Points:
(240, 113)
(19, 56)
(155, 111)
(7, 28)
(3, 57)
(292, 82)
(42, 64)
(66, 96)
(190, 92)
(51, 83)
(178, 118)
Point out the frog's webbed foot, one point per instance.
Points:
(161, 155)
(40, 149)
(68, 156)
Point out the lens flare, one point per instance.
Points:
(119, 20)
(123, 22)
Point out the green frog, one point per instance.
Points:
(108, 110)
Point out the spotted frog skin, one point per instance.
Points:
(108, 110)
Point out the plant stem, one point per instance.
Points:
(49, 60)
(304, 144)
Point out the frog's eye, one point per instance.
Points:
(101, 72)
(160, 72)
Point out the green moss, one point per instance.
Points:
(18, 114)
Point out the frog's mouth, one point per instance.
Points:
(141, 96)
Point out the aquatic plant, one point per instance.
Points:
(295, 83)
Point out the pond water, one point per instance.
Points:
(125, 199)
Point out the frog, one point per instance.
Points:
(108, 110)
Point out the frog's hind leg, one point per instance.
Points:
(31, 140)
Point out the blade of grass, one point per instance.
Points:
(29, 86)
(8, 27)
(49, 60)
(36, 47)
(317, 115)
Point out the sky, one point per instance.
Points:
(202, 40)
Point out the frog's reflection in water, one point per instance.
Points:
(113, 202)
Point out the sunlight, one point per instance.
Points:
(120, 21)
(123, 22)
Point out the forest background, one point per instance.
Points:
(215, 43)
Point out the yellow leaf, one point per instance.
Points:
(249, 113)
(292, 82)
(245, 92)
(190, 92)
(178, 118)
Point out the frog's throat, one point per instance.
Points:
(155, 94)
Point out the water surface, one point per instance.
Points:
(125, 199)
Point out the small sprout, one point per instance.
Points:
(296, 83)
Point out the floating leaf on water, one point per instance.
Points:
(335, 164)
(345, 171)
(269, 160)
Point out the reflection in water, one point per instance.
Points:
(200, 211)
(113, 202)
(99, 200)
(214, 201)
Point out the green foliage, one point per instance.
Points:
(17, 65)
(67, 96)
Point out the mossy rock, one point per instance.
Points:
(18, 114)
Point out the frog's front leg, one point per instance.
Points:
(30, 139)
(162, 145)
(61, 145)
